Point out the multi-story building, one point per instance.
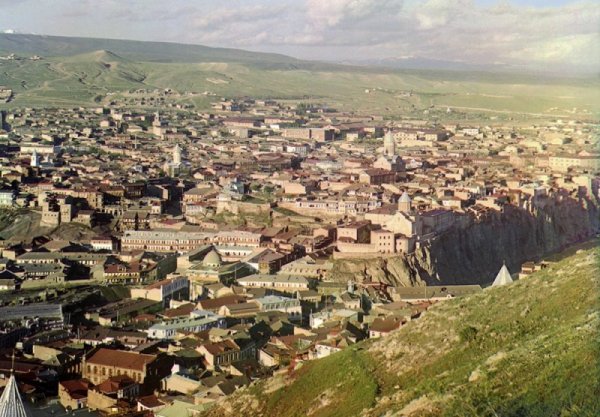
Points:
(377, 176)
(104, 363)
(169, 329)
(163, 291)
(290, 306)
(83, 258)
(103, 243)
(40, 148)
(277, 282)
(562, 163)
(164, 241)
(177, 241)
(346, 206)
(223, 353)
(316, 134)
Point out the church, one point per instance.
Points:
(11, 404)
(173, 168)
(387, 230)
(402, 219)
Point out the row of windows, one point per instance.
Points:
(109, 372)
(226, 358)
(265, 284)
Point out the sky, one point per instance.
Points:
(547, 34)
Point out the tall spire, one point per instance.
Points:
(35, 159)
(11, 404)
(405, 203)
(177, 154)
(389, 144)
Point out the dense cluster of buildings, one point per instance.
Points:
(168, 259)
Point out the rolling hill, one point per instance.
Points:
(165, 52)
(527, 349)
(82, 71)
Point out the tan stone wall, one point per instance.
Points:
(65, 399)
(360, 248)
(99, 401)
(352, 255)
(181, 385)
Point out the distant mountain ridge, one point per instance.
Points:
(164, 52)
(418, 62)
(87, 71)
(423, 63)
(170, 52)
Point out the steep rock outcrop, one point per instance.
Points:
(474, 252)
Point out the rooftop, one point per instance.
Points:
(121, 359)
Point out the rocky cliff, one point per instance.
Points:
(22, 225)
(474, 252)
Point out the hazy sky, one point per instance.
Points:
(542, 33)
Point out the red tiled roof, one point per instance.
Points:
(77, 388)
(150, 401)
(221, 347)
(120, 359)
(216, 303)
(158, 284)
(114, 384)
(183, 310)
(385, 325)
(145, 317)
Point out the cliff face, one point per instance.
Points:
(474, 252)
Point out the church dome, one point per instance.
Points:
(212, 259)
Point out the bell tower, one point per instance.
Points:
(405, 203)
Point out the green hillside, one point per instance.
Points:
(59, 46)
(528, 349)
(82, 71)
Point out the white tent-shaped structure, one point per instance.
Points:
(503, 278)
(11, 404)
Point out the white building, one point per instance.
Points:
(291, 306)
(319, 319)
(39, 148)
(7, 198)
(103, 243)
(168, 329)
(280, 282)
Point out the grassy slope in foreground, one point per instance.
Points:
(528, 349)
